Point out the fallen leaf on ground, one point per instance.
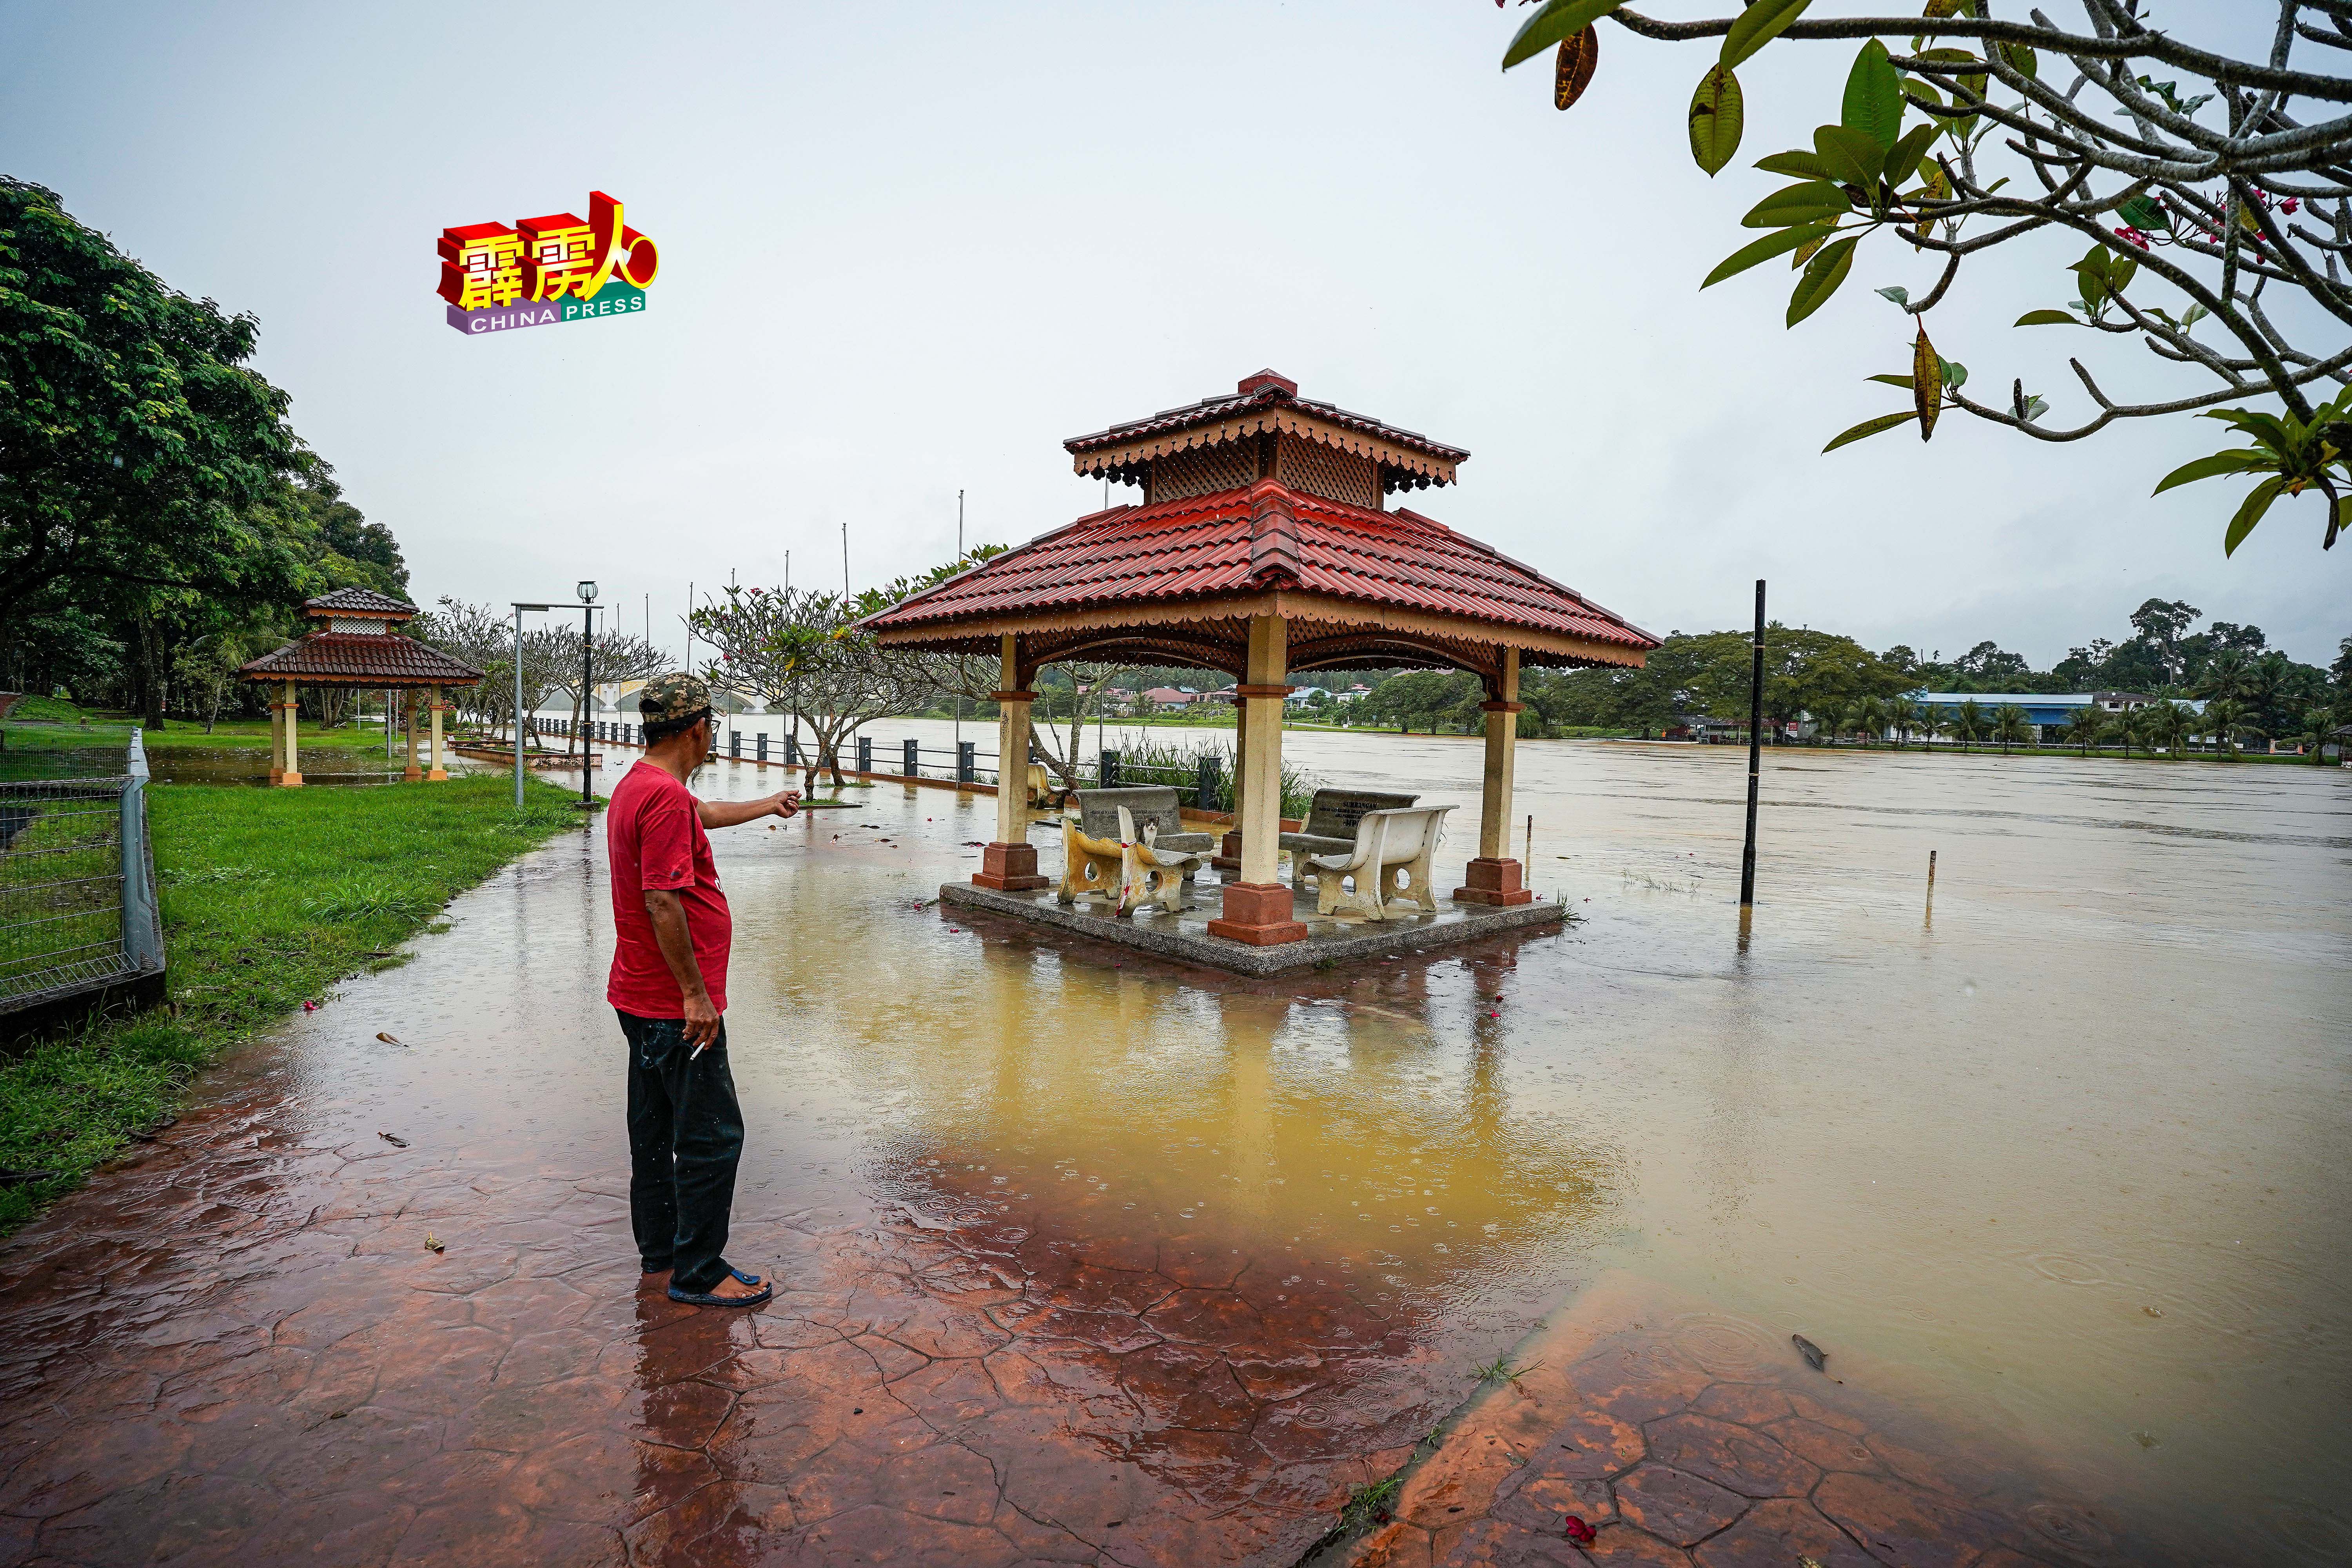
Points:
(433, 1243)
(395, 1143)
(387, 1039)
(1814, 1355)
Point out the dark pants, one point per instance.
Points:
(686, 1132)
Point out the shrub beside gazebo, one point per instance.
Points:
(353, 643)
(1263, 547)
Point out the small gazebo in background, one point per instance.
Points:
(1265, 546)
(353, 643)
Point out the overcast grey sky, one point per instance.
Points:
(908, 250)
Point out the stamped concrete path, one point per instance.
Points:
(373, 1301)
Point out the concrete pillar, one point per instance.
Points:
(290, 774)
(1257, 908)
(440, 769)
(1228, 858)
(413, 772)
(1494, 878)
(277, 735)
(1010, 864)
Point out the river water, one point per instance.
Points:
(2060, 1151)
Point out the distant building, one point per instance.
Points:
(2049, 711)
(1170, 696)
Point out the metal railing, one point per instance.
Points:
(76, 886)
(1203, 782)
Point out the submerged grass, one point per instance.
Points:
(269, 897)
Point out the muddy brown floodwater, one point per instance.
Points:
(1090, 1260)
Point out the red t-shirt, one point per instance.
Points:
(655, 840)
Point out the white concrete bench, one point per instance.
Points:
(1388, 862)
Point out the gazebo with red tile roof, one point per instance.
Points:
(1264, 546)
(353, 643)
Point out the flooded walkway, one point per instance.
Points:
(1087, 1260)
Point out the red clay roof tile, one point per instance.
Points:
(1203, 545)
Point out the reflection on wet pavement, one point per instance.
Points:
(1086, 1259)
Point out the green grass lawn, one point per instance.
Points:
(269, 897)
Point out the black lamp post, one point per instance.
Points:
(587, 670)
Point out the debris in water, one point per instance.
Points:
(387, 1039)
(2153, 1312)
(1579, 1532)
(2145, 1439)
(1814, 1355)
(433, 1243)
(395, 1143)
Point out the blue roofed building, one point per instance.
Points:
(2049, 711)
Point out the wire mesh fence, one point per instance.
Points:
(77, 885)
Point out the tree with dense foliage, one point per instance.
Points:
(137, 441)
(2224, 206)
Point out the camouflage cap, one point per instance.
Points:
(668, 698)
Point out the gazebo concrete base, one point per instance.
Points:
(1330, 940)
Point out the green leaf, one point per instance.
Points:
(1555, 21)
(1852, 156)
(1764, 250)
(1902, 381)
(1821, 279)
(1815, 201)
(2045, 319)
(2119, 274)
(1896, 292)
(2250, 513)
(2034, 409)
(1904, 161)
(1873, 426)
(1955, 375)
(1873, 96)
(2142, 213)
(2020, 58)
(1796, 166)
(1715, 116)
(1758, 26)
(2236, 462)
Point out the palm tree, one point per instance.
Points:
(1969, 723)
(2318, 729)
(2132, 725)
(2227, 673)
(2088, 727)
(1902, 714)
(1870, 718)
(1931, 724)
(1830, 718)
(2010, 725)
(2224, 717)
(2170, 722)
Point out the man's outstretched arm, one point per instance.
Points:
(728, 813)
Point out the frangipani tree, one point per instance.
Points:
(801, 651)
(2214, 191)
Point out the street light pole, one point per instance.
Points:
(518, 609)
(587, 671)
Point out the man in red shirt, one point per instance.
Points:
(668, 984)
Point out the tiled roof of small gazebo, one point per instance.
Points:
(355, 645)
(1177, 577)
(361, 659)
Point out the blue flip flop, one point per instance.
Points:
(704, 1299)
